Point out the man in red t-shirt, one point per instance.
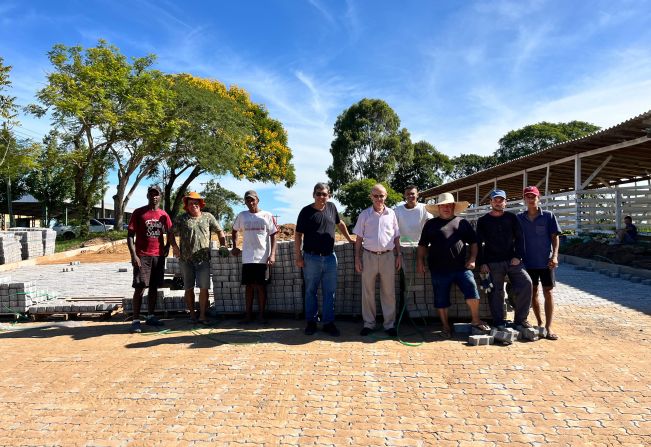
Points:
(148, 225)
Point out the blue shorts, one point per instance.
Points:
(442, 281)
(195, 273)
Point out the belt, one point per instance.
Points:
(377, 252)
(317, 254)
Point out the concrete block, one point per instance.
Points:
(542, 331)
(530, 334)
(506, 337)
(480, 340)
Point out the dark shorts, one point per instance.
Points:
(255, 274)
(151, 272)
(546, 277)
(442, 282)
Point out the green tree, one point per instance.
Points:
(98, 99)
(219, 201)
(368, 143)
(535, 137)
(355, 196)
(468, 164)
(222, 131)
(50, 182)
(427, 169)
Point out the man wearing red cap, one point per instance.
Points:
(540, 229)
(194, 227)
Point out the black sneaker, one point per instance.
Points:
(391, 332)
(366, 331)
(153, 321)
(331, 329)
(135, 327)
(310, 329)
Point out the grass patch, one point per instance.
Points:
(78, 242)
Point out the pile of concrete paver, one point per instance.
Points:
(167, 301)
(10, 248)
(30, 241)
(47, 236)
(16, 297)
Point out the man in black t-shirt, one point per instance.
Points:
(445, 239)
(315, 231)
(501, 249)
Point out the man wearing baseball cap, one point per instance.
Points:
(541, 230)
(501, 249)
(148, 249)
(258, 252)
(193, 228)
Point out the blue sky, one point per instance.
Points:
(460, 74)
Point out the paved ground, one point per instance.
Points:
(90, 383)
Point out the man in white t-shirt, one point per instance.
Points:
(258, 252)
(411, 219)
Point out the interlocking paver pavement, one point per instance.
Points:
(92, 383)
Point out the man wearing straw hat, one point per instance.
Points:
(445, 239)
(501, 250)
(194, 228)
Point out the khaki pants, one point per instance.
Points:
(384, 266)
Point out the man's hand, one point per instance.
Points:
(135, 262)
(300, 263)
(236, 251)
(515, 261)
(484, 268)
(553, 263)
(358, 265)
(420, 267)
(398, 261)
(271, 259)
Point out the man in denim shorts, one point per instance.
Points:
(445, 239)
(194, 227)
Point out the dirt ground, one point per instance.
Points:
(120, 252)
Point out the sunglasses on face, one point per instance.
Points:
(321, 194)
(379, 196)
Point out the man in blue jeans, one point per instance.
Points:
(451, 246)
(501, 249)
(315, 232)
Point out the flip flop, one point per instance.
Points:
(482, 327)
(552, 336)
(445, 333)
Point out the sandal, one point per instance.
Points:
(482, 327)
(551, 336)
(445, 333)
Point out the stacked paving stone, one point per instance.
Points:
(63, 306)
(167, 300)
(48, 237)
(284, 293)
(172, 266)
(17, 296)
(10, 248)
(31, 242)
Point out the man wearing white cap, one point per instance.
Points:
(445, 239)
(501, 249)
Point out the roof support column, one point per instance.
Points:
(577, 193)
(477, 195)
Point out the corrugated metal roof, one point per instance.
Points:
(628, 163)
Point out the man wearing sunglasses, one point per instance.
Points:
(315, 233)
(377, 253)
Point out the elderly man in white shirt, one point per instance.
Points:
(377, 252)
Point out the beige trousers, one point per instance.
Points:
(384, 266)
